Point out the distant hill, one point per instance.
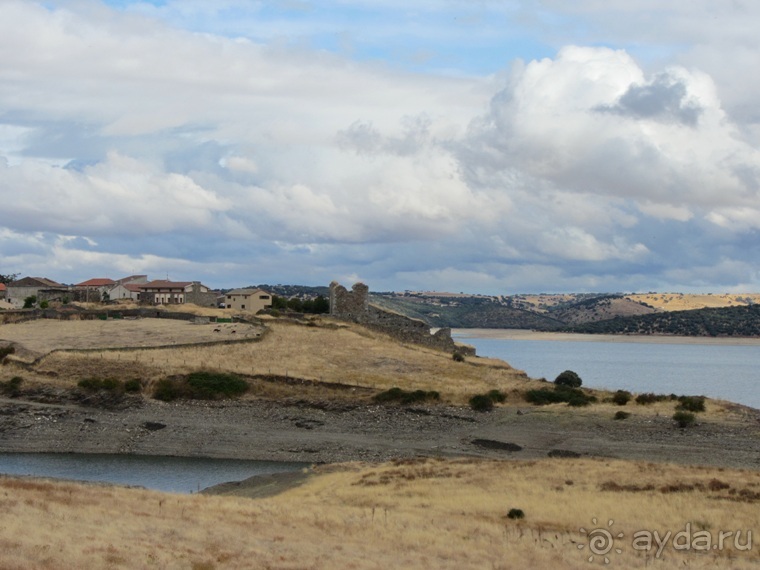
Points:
(599, 309)
(741, 321)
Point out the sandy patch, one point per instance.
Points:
(523, 334)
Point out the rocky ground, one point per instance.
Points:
(322, 432)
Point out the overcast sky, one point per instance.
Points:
(479, 146)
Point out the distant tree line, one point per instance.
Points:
(728, 321)
(317, 305)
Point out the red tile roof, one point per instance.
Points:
(2, 286)
(97, 282)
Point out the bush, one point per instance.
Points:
(684, 419)
(691, 403)
(168, 390)
(568, 378)
(515, 514)
(30, 301)
(621, 415)
(132, 385)
(621, 397)
(481, 403)
(497, 396)
(5, 351)
(572, 396)
(44, 305)
(405, 397)
(458, 356)
(12, 387)
(650, 398)
(210, 385)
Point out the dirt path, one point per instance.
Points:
(295, 431)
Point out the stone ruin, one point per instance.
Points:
(354, 306)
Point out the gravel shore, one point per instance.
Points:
(325, 432)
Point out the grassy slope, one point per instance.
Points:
(418, 514)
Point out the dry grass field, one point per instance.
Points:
(347, 355)
(411, 514)
(45, 335)
(686, 302)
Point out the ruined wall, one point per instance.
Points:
(354, 306)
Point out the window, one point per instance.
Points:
(242, 306)
(266, 297)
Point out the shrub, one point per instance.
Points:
(684, 419)
(515, 514)
(458, 356)
(497, 396)
(405, 397)
(5, 351)
(30, 301)
(209, 385)
(621, 397)
(44, 305)
(650, 398)
(481, 403)
(568, 378)
(572, 396)
(132, 385)
(167, 390)
(691, 403)
(621, 415)
(12, 387)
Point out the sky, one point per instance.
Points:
(481, 146)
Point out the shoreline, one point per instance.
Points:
(303, 432)
(527, 334)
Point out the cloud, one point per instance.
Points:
(240, 143)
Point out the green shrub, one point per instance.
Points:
(515, 514)
(12, 387)
(684, 419)
(621, 415)
(210, 385)
(497, 396)
(650, 398)
(481, 403)
(458, 356)
(691, 403)
(572, 396)
(568, 378)
(168, 390)
(621, 397)
(132, 385)
(405, 397)
(543, 396)
(30, 301)
(44, 305)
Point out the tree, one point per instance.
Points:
(568, 378)
(30, 301)
(8, 278)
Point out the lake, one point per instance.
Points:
(171, 474)
(715, 368)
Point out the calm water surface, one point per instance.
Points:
(172, 474)
(729, 372)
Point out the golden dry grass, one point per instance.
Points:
(685, 302)
(346, 355)
(407, 514)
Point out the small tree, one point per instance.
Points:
(30, 301)
(8, 277)
(568, 378)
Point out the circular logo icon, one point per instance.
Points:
(600, 541)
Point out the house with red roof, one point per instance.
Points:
(164, 292)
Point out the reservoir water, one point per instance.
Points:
(171, 474)
(719, 370)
